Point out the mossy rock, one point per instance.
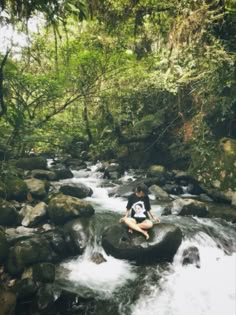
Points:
(62, 208)
(16, 189)
(218, 169)
(155, 170)
(8, 214)
(32, 163)
(38, 188)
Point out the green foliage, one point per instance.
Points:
(142, 74)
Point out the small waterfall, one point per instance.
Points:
(100, 280)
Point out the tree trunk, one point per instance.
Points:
(86, 120)
(3, 107)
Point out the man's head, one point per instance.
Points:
(142, 190)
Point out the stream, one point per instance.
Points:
(120, 287)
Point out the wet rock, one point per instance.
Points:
(16, 234)
(219, 196)
(47, 295)
(62, 208)
(44, 272)
(123, 190)
(75, 164)
(47, 247)
(16, 189)
(78, 190)
(158, 192)
(189, 207)
(97, 258)
(61, 171)
(112, 171)
(173, 189)
(205, 198)
(192, 185)
(162, 245)
(35, 215)
(80, 233)
(44, 175)
(37, 188)
(8, 214)
(25, 288)
(191, 256)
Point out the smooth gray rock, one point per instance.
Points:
(78, 190)
(189, 207)
(164, 241)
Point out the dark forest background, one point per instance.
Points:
(143, 82)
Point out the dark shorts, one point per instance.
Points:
(139, 220)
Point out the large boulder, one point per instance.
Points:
(32, 163)
(62, 208)
(8, 214)
(80, 232)
(47, 247)
(188, 207)
(16, 189)
(164, 241)
(159, 193)
(4, 247)
(14, 235)
(25, 289)
(37, 188)
(44, 174)
(78, 190)
(155, 170)
(35, 215)
(44, 272)
(61, 171)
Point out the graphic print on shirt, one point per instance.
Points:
(139, 209)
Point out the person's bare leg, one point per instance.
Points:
(134, 226)
(146, 225)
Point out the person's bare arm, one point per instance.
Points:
(155, 218)
(126, 215)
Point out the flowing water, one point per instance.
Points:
(123, 288)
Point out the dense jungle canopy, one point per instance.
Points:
(142, 81)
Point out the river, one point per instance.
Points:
(120, 287)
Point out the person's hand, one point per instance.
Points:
(122, 219)
(156, 220)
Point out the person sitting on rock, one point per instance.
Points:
(139, 205)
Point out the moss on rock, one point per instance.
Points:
(218, 168)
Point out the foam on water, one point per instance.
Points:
(103, 279)
(184, 290)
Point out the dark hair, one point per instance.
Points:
(143, 188)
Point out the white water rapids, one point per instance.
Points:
(170, 289)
